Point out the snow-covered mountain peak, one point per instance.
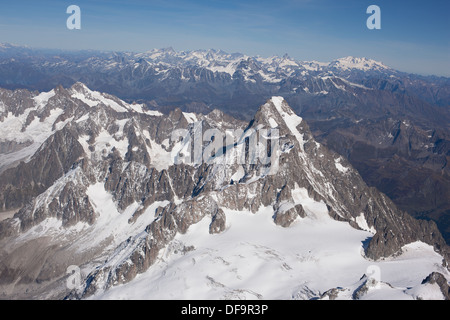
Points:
(92, 98)
(278, 103)
(364, 64)
(80, 87)
(250, 69)
(113, 201)
(277, 109)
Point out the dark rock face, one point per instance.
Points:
(371, 284)
(331, 294)
(55, 158)
(363, 288)
(404, 159)
(392, 126)
(393, 227)
(391, 235)
(128, 153)
(441, 281)
(285, 216)
(218, 222)
(145, 248)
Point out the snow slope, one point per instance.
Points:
(252, 258)
(256, 259)
(47, 119)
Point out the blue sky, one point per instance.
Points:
(414, 35)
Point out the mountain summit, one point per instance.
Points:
(363, 64)
(98, 185)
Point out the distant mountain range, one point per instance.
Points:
(392, 126)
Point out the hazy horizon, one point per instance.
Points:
(414, 35)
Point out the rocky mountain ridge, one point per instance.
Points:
(391, 125)
(98, 186)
